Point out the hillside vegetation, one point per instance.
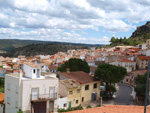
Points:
(10, 44)
(41, 49)
(140, 35)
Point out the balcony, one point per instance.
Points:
(43, 97)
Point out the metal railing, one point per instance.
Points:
(50, 96)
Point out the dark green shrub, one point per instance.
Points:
(99, 105)
(88, 106)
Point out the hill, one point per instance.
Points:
(140, 35)
(10, 44)
(40, 49)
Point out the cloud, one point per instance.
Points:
(49, 16)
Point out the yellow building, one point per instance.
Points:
(85, 88)
(72, 90)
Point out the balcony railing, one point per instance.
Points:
(38, 97)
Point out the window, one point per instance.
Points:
(76, 101)
(52, 92)
(38, 73)
(70, 92)
(95, 85)
(78, 90)
(8, 100)
(82, 99)
(33, 70)
(65, 105)
(86, 87)
(35, 93)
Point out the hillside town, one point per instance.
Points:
(34, 84)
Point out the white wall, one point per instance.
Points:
(61, 102)
(148, 53)
(43, 85)
(13, 94)
(29, 71)
(123, 64)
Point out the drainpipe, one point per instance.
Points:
(20, 90)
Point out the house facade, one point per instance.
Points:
(142, 61)
(72, 90)
(128, 64)
(30, 91)
(89, 89)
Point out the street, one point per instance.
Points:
(124, 95)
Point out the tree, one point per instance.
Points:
(112, 40)
(140, 81)
(75, 64)
(110, 74)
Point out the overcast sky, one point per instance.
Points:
(77, 21)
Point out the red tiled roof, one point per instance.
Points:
(16, 65)
(114, 109)
(133, 53)
(141, 57)
(2, 97)
(125, 60)
(137, 49)
(52, 57)
(80, 77)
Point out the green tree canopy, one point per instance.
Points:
(140, 84)
(110, 73)
(75, 64)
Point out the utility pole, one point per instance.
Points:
(147, 84)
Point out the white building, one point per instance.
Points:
(62, 102)
(30, 91)
(128, 64)
(142, 46)
(148, 52)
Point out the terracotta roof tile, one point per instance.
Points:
(80, 77)
(125, 60)
(32, 64)
(2, 97)
(114, 109)
(142, 57)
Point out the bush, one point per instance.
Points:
(19, 111)
(88, 106)
(99, 105)
(2, 90)
(78, 108)
(61, 110)
(69, 109)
